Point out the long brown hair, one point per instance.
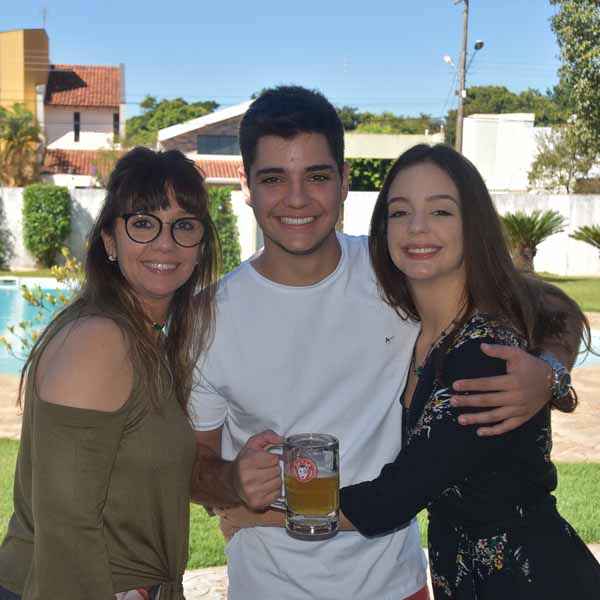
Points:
(493, 284)
(144, 180)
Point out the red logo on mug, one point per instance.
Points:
(304, 469)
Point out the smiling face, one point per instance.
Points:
(154, 270)
(424, 231)
(296, 192)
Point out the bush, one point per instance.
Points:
(587, 186)
(367, 174)
(221, 212)
(46, 220)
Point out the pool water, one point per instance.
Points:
(14, 309)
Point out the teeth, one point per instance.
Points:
(421, 250)
(161, 266)
(297, 221)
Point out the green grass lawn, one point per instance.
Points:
(584, 290)
(578, 491)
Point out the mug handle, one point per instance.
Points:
(280, 503)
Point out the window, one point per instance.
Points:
(76, 126)
(218, 144)
(116, 128)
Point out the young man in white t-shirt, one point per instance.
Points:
(304, 343)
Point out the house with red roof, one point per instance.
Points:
(211, 141)
(80, 108)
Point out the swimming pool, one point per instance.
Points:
(14, 309)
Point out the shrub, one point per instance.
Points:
(587, 186)
(367, 174)
(46, 220)
(526, 232)
(221, 212)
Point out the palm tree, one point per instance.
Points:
(590, 234)
(525, 232)
(20, 140)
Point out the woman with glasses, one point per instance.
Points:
(102, 484)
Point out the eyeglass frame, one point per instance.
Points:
(127, 216)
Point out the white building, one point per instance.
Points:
(503, 148)
(81, 110)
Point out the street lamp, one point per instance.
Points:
(461, 91)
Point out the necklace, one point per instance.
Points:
(418, 370)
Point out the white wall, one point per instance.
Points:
(369, 145)
(96, 128)
(86, 206)
(558, 254)
(250, 234)
(502, 147)
(70, 181)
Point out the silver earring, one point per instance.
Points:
(112, 258)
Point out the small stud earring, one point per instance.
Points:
(112, 258)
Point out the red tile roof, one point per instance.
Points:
(73, 162)
(83, 85)
(220, 168)
(81, 162)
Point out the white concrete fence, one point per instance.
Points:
(559, 254)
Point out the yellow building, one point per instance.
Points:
(24, 64)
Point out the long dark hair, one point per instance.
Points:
(493, 284)
(144, 180)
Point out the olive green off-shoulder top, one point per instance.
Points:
(101, 501)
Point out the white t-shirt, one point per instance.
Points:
(329, 358)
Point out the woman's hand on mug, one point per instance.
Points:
(257, 474)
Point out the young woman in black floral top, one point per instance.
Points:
(440, 257)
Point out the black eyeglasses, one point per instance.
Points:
(144, 228)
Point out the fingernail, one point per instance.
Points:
(463, 420)
(453, 401)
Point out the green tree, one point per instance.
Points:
(20, 141)
(350, 117)
(143, 129)
(577, 29)
(590, 234)
(526, 232)
(389, 123)
(560, 161)
(221, 212)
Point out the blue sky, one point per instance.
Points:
(374, 55)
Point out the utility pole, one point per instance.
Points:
(462, 74)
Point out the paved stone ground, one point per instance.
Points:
(575, 436)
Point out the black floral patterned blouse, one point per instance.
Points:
(494, 532)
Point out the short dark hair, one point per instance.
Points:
(286, 111)
(493, 284)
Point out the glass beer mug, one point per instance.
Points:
(312, 484)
